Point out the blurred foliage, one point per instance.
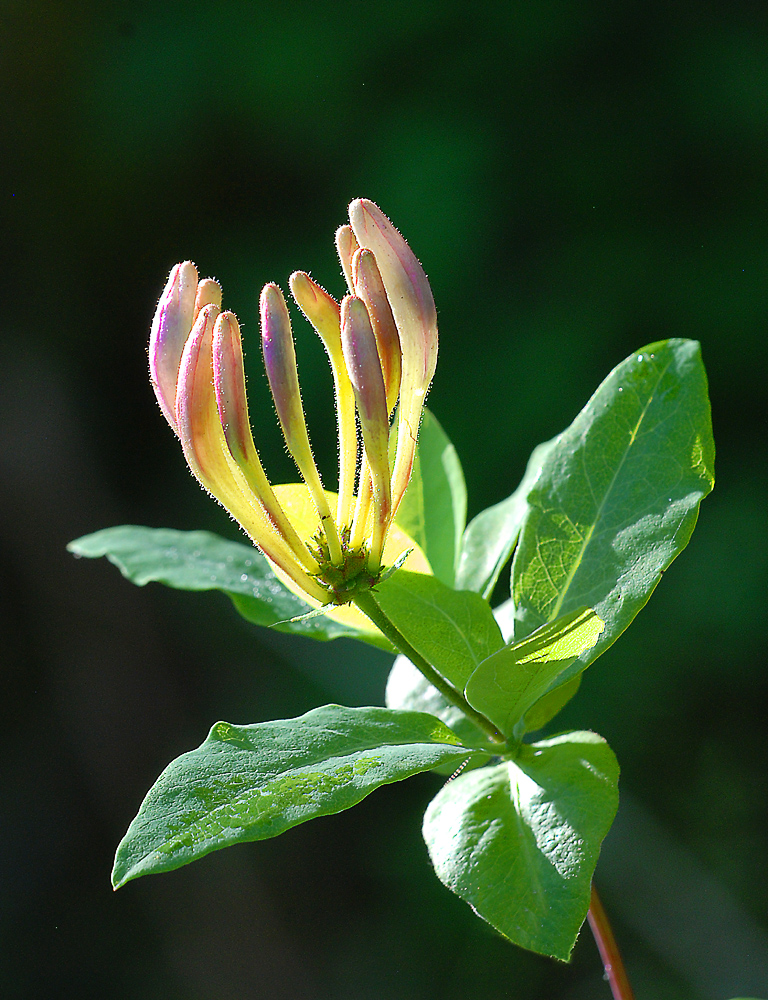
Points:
(579, 179)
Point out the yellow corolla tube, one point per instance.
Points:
(381, 342)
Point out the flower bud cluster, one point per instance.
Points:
(381, 342)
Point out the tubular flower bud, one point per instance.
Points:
(370, 288)
(381, 343)
(172, 325)
(280, 363)
(364, 369)
(232, 405)
(413, 308)
(322, 311)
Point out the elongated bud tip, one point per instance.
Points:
(355, 320)
(366, 273)
(274, 312)
(406, 284)
(171, 326)
(346, 245)
(302, 287)
(280, 365)
(208, 294)
(187, 275)
(229, 383)
(320, 308)
(311, 298)
(276, 335)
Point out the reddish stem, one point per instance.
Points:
(609, 950)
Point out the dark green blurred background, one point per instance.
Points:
(579, 179)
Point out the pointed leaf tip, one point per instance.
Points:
(250, 783)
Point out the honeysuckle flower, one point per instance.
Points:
(381, 341)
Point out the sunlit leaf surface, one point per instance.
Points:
(519, 841)
(254, 782)
(618, 494)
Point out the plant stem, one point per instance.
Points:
(367, 603)
(609, 950)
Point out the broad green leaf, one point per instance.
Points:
(519, 841)
(254, 782)
(510, 682)
(408, 690)
(454, 630)
(199, 560)
(434, 509)
(490, 537)
(618, 494)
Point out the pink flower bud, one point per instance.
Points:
(170, 328)
(408, 291)
(370, 288)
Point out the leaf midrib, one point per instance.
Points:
(588, 537)
(243, 799)
(476, 658)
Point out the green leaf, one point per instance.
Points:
(490, 537)
(618, 494)
(519, 841)
(454, 630)
(510, 682)
(433, 510)
(253, 782)
(199, 560)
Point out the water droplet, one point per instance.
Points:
(640, 357)
(621, 389)
(243, 577)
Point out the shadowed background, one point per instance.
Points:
(579, 179)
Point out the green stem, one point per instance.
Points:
(609, 950)
(367, 603)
